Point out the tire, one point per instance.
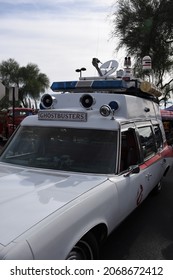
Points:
(86, 249)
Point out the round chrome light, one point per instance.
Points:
(46, 100)
(105, 110)
(86, 100)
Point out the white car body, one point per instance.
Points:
(46, 210)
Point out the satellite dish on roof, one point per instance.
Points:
(108, 67)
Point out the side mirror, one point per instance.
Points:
(133, 169)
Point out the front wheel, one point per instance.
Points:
(86, 249)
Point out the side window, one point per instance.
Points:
(130, 154)
(158, 137)
(147, 141)
(168, 127)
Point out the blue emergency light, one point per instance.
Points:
(90, 85)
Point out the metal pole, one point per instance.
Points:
(13, 107)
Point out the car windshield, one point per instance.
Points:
(68, 149)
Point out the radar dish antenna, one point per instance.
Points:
(108, 67)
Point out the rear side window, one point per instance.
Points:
(147, 141)
(130, 154)
(158, 137)
(168, 128)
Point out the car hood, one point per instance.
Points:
(28, 196)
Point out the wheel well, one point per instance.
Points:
(100, 232)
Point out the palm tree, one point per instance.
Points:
(30, 81)
(9, 71)
(146, 28)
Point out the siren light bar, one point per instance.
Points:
(90, 85)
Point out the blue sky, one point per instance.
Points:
(59, 36)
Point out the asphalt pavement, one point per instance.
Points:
(147, 234)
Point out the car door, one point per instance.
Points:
(132, 181)
(151, 142)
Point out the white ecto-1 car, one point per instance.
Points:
(72, 173)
